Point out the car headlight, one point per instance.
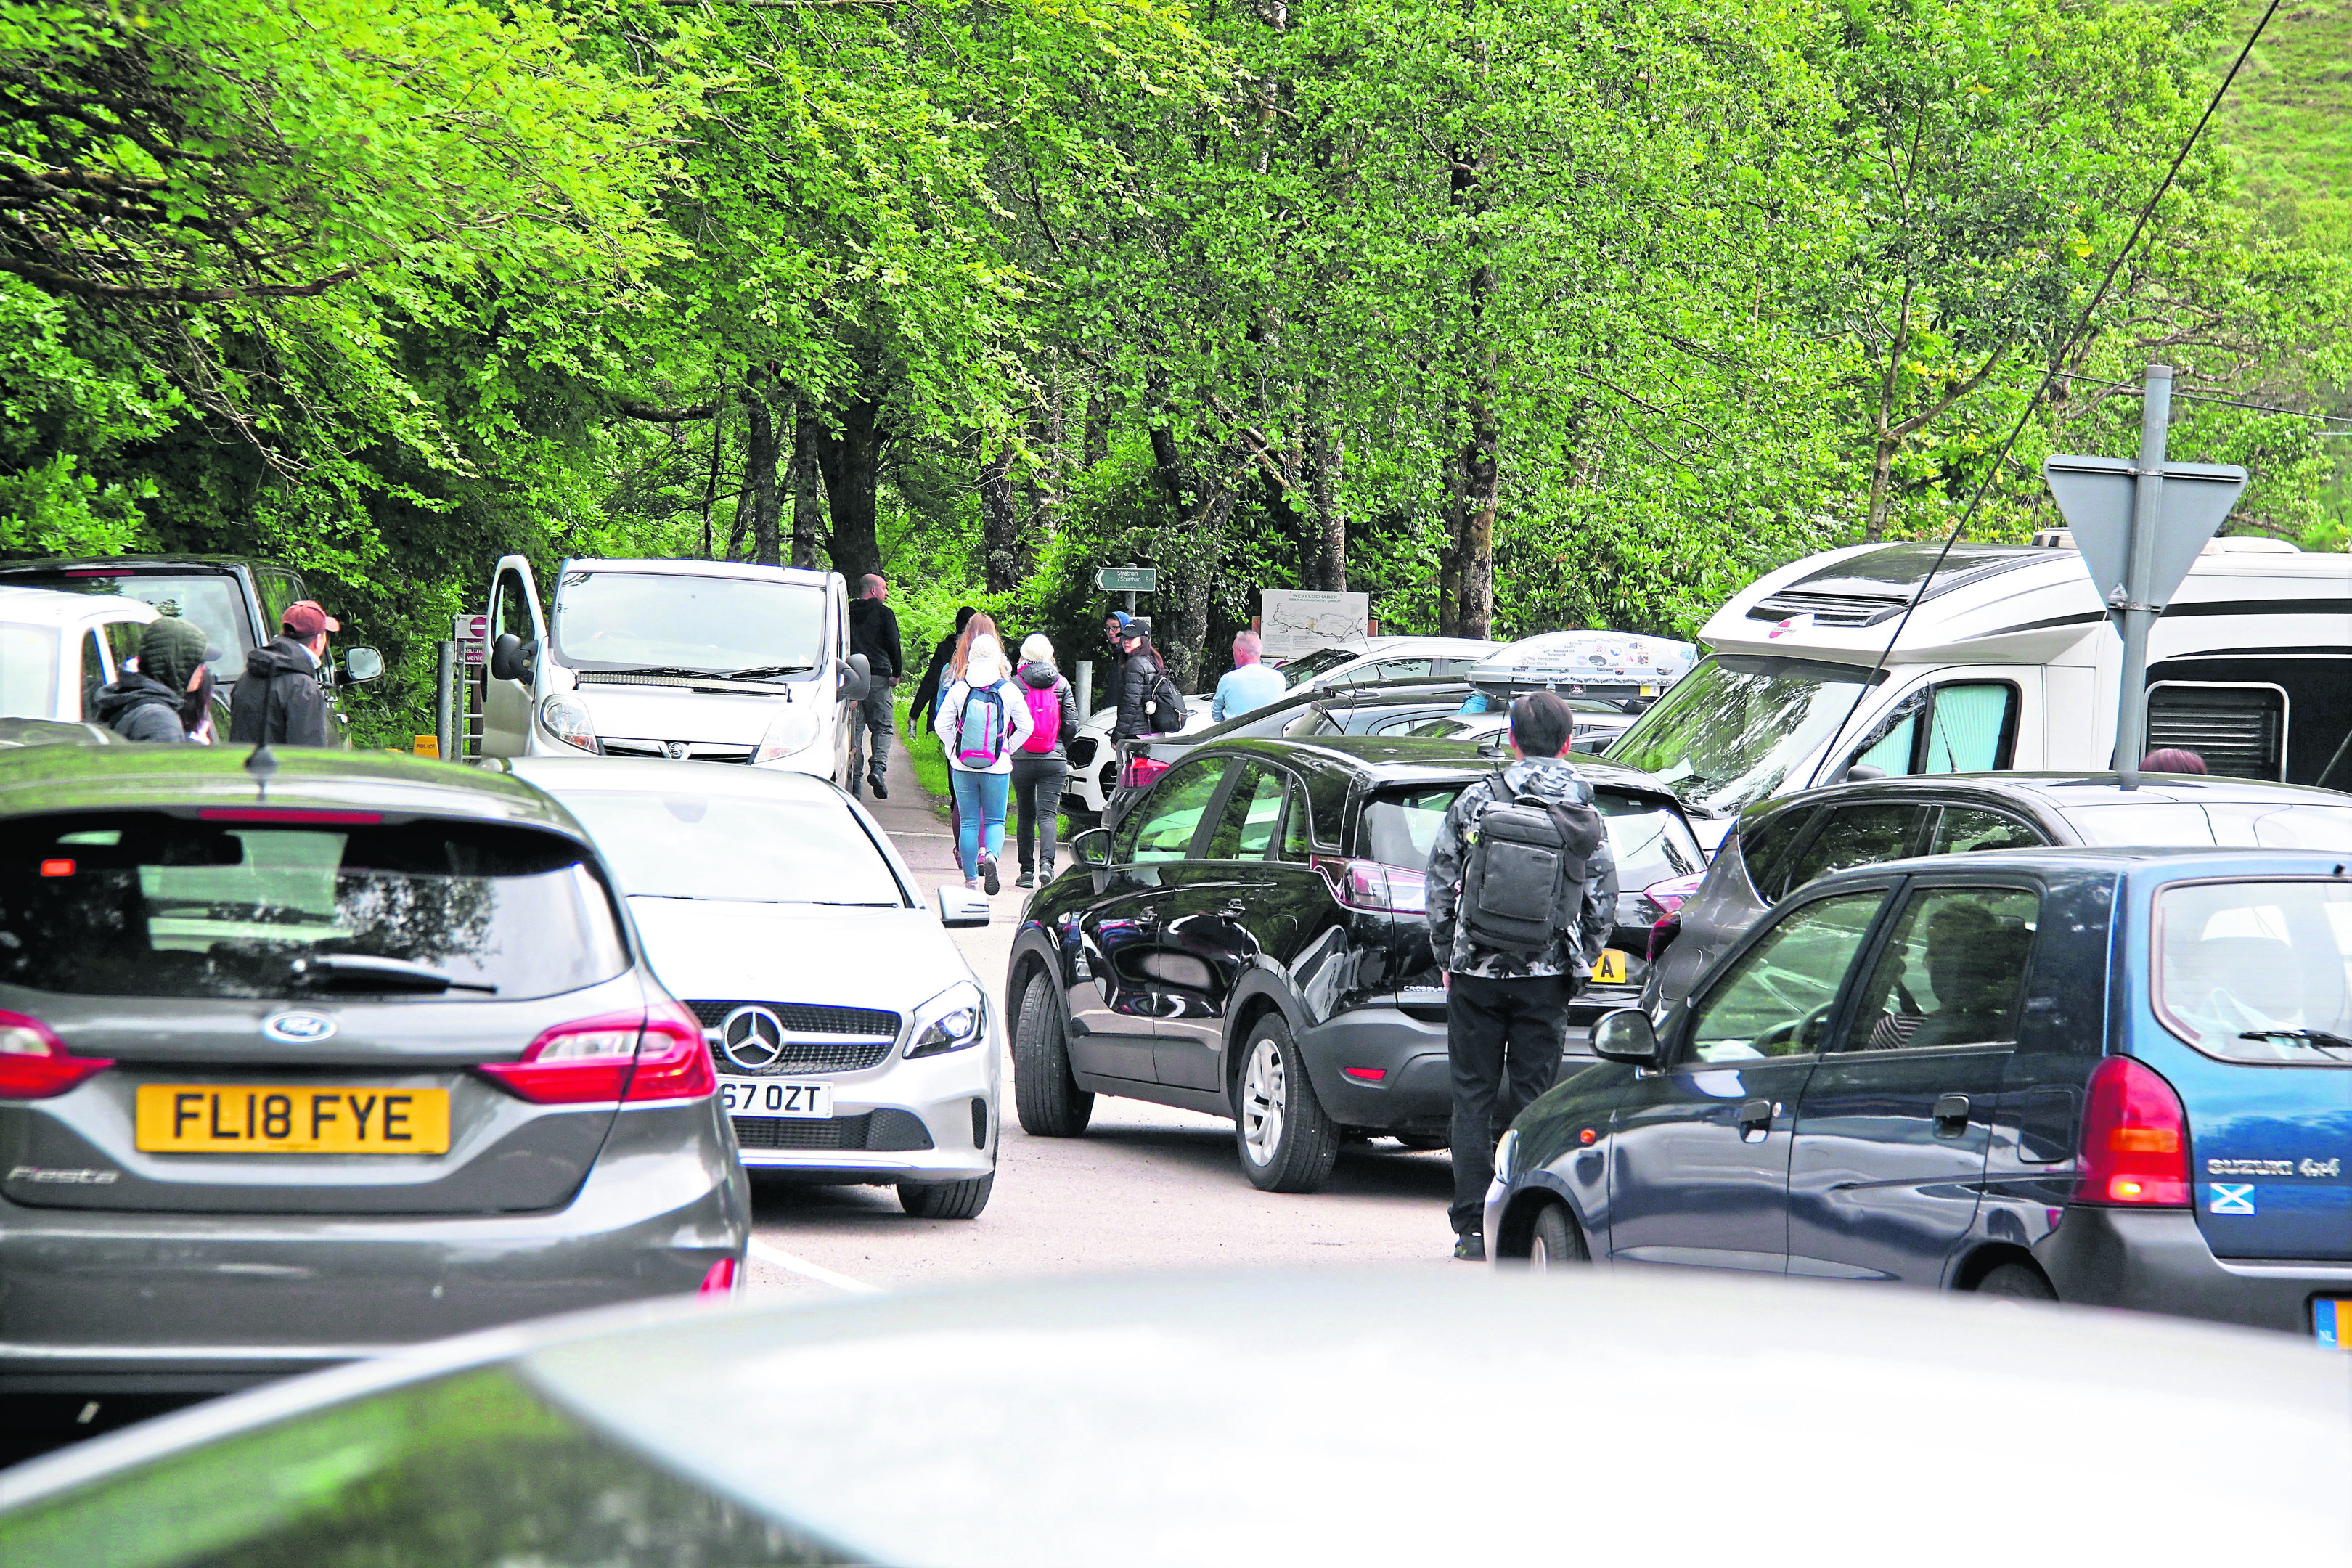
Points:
(955, 1018)
(567, 718)
(1505, 1148)
(791, 731)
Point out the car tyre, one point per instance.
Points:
(1046, 1094)
(2017, 1282)
(1555, 1241)
(946, 1200)
(1288, 1143)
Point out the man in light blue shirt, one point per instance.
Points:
(1249, 685)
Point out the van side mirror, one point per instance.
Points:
(507, 659)
(1626, 1035)
(1092, 847)
(961, 907)
(362, 664)
(857, 677)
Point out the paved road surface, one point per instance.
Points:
(1147, 1187)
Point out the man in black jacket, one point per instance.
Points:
(874, 632)
(278, 700)
(927, 695)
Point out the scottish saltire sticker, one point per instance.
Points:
(2230, 1197)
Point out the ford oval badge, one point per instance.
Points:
(298, 1028)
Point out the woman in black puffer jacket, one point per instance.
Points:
(1042, 766)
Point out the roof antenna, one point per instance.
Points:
(261, 764)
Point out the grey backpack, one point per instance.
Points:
(1524, 882)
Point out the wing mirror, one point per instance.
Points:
(856, 678)
(961, 907)
(362, 664)
(509, 658)
(1092, 847)
(1626, 1035)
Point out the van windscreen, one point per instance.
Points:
(1726, 734)
(144, 904)
(618, 621)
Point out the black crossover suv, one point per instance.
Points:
(1249, 941)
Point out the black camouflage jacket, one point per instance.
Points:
(1572, 952)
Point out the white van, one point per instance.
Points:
(691, 660)
(2007, 662)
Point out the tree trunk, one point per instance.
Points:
(1044, 484)
(850, 458)
(1449, 560)
(999, 524)
(1183, 629)
(808, 512)
(1882, 477)
(1096, 444)
(1480, 483)
(761, 449)
(710, 484)
(1326, 462)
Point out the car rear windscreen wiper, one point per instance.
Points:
(2320, 1039)
(359, 971)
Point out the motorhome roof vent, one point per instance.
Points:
(1827, 609)
(2054, 539)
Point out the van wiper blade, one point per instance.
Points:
(359, 971)
(661, 670)
(2319, 1037)
(766, 671)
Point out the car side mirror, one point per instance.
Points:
(362, 664)
(1861, 773)
(1626, 1035)
(857, 677)
(1092, 847)
(961, 907)
(509, 662)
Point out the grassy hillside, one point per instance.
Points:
(2289, 119)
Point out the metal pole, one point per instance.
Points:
(1085, 689)
(1131, 603)
(2138, 614)
(447, 727)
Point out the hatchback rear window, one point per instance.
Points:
(1651, 843)
(2257, 972)
(149, 905)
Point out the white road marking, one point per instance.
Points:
(807, 1270)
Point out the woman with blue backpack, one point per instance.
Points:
(982, 720)
(1042, 766)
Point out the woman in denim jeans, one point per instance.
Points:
(981, 780)
(1042, 766)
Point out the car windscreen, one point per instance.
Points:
(28, 671)
(143, 904)
(1726, 735)
(2257, 971)
(719, 626)
(683, 843)
(211, 600)
(2237, 824)
(1299, 672)
(1650, 840)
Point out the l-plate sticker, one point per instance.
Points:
(2230, 1197)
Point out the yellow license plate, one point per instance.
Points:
(1609, 969)
(290, 1119)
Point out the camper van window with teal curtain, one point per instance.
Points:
(1971, 729)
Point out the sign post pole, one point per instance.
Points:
(2139, 610)
(445, 714)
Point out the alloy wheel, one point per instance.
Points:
(1264, 1099)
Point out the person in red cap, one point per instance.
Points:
(278, 699)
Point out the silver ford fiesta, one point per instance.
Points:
(305, 1055)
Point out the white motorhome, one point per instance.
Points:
(2007, 661)
(691, 660)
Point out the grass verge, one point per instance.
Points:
(931, 763)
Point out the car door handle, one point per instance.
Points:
(1756, 1120)
(1951, 1115)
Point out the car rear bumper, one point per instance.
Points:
(96, 1302)
(1414, 1090)
(2156, 1260)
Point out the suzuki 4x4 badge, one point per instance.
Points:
(298, 1028)
(752, 1037)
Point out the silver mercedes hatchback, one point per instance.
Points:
(304, 1055)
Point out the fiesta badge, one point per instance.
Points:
(297, 1028)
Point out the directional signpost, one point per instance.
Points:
(1128, 580)
(2139, 526)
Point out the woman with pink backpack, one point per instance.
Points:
(1042, 766)
(982, 720)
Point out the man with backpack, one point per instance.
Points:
(1522, 897)
(1149, 702)
(874, 632)
(1042, 766)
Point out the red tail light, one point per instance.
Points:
(2135, 1138)
(1669, 897)
(1138, 771)
(35, 1064)
(1662, 936)
(288, 813)
(657, 1054)
(721, 1280)
(1369, 885)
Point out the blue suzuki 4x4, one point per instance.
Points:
(2111, 1075)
